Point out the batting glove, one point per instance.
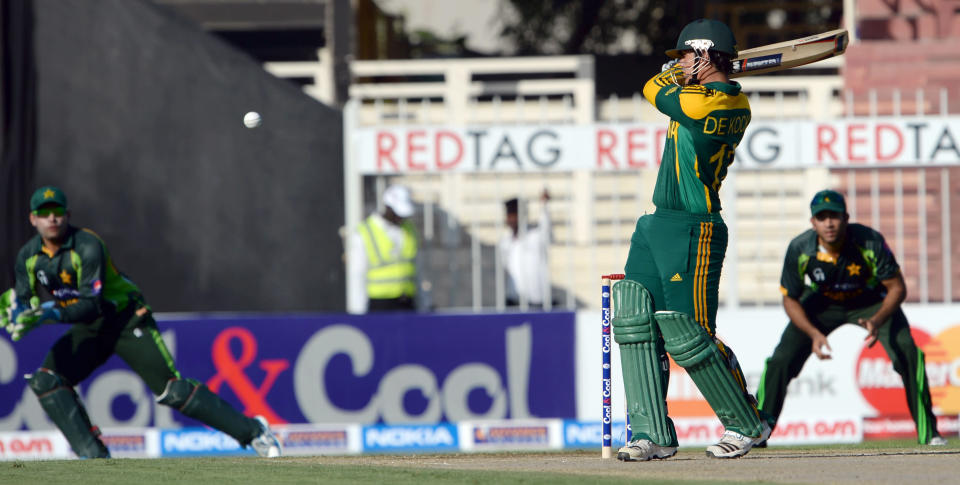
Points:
(669, 64)
(29, 319)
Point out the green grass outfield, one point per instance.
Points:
(770, 465)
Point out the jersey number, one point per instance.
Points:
(722, 159)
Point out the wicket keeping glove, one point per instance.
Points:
(26, 321)
(10, 307)
(8, 304)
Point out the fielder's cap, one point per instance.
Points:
(47, 195)
(397, 198)
(827, 200)
(715, 31)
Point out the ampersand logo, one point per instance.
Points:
(230, 371)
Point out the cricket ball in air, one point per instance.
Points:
(252, 119)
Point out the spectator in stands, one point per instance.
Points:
(836, 273)
(523, 251)
(384, 258)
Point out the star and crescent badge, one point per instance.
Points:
(853, 269)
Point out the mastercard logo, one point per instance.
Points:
(883, 388)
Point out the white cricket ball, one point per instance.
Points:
(252, 119)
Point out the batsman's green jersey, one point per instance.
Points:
(706, 125)
(837, 290)
(677, 253)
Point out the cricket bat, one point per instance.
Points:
(792, 53)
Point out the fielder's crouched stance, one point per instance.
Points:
(839, 272)
(65, 274)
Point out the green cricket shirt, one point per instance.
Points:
(706, 125)
(864, 261)
(80, 277)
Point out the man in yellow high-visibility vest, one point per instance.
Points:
(383, 257)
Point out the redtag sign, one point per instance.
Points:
(614, 147)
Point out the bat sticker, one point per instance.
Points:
(790, 54)
(761, 62)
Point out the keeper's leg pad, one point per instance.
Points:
(693, 349)
(195, 400)
(64, 408)
(646, 370)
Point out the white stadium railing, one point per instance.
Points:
(594, 210)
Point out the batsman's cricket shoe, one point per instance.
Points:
(266, 444)
(645, 450)
(735, 445)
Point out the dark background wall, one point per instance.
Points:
(139, 120)
(17, 129)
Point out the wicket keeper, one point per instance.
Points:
(836, 273)
(668, 300)
(65, 274)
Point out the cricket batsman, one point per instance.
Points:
(668, 301)
(65, 274)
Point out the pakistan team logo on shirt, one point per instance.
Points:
(818, 275)
(43, 278)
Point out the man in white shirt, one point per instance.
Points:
(383, 258)
(523, 251)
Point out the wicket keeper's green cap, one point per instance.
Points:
(47, 195)
(710, 30)
(827, 200)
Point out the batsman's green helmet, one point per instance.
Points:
(714, 30)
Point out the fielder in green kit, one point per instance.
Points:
(839, 272)
(64, 274)
(668, 300)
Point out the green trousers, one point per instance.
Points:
(795, 347)
(677, 257)
(134, 338)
